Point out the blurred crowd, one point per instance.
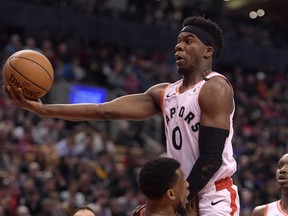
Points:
(50, 167)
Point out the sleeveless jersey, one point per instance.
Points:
(274, 209)
(181, 112)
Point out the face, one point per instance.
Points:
(282, 172)
(84, 212)
(189, 52)
(182, 192)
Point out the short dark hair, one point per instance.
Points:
(157, 176)
(210, 27)
(84, 208)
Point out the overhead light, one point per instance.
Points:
(253, 14)
(260, 12)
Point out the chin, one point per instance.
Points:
(181, 210)
(182, 71)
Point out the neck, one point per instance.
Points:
(190, 79)
(284, 201)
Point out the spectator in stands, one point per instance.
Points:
(22, 210)
(84, 211)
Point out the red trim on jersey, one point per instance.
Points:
(142, 212)
(280, 208)
(178, 87)
(265, 210)
(233, 196)
(227, 184)
(161, 99)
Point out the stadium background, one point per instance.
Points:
(124, 46)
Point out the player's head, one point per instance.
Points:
(162, 179)
(282, 172)
(206, 30)
(84, 211)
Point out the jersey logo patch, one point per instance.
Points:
(214, 203)
(170, 95)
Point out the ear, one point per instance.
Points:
(209, 52)
(171, 194)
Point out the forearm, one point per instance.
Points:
(131, 107)
(201, 173)
(211, 146)
(73, 112)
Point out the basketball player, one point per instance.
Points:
(84, 211)
(279, 207)
(163, 183)
(197, 109)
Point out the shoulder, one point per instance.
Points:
(216, 90)
(216, 99)
(159, 86)
(259, 210)
(156, 90)
(217, 84)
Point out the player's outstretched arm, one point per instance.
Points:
(130, 107)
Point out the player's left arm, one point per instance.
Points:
(216, 104)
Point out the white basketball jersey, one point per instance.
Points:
(181, 112)
(274, 209)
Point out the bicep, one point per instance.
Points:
(216, 103)
(132, 107)
(136, 106)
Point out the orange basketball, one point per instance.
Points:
(31, 71)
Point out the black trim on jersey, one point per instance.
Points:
(211, 145)
(206, 78)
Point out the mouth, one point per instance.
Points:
(282, 179)
(179, 59)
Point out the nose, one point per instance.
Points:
(283, 169)
(178, 47)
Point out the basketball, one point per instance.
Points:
(29, 70)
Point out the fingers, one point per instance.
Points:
(21, 96)
(194, 202)
(15, 96)
(9, 92)
(192, 207)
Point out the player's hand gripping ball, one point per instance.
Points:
(29, 70)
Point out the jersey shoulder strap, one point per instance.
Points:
(138, 210)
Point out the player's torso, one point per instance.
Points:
(181, 112)
(274, 209)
